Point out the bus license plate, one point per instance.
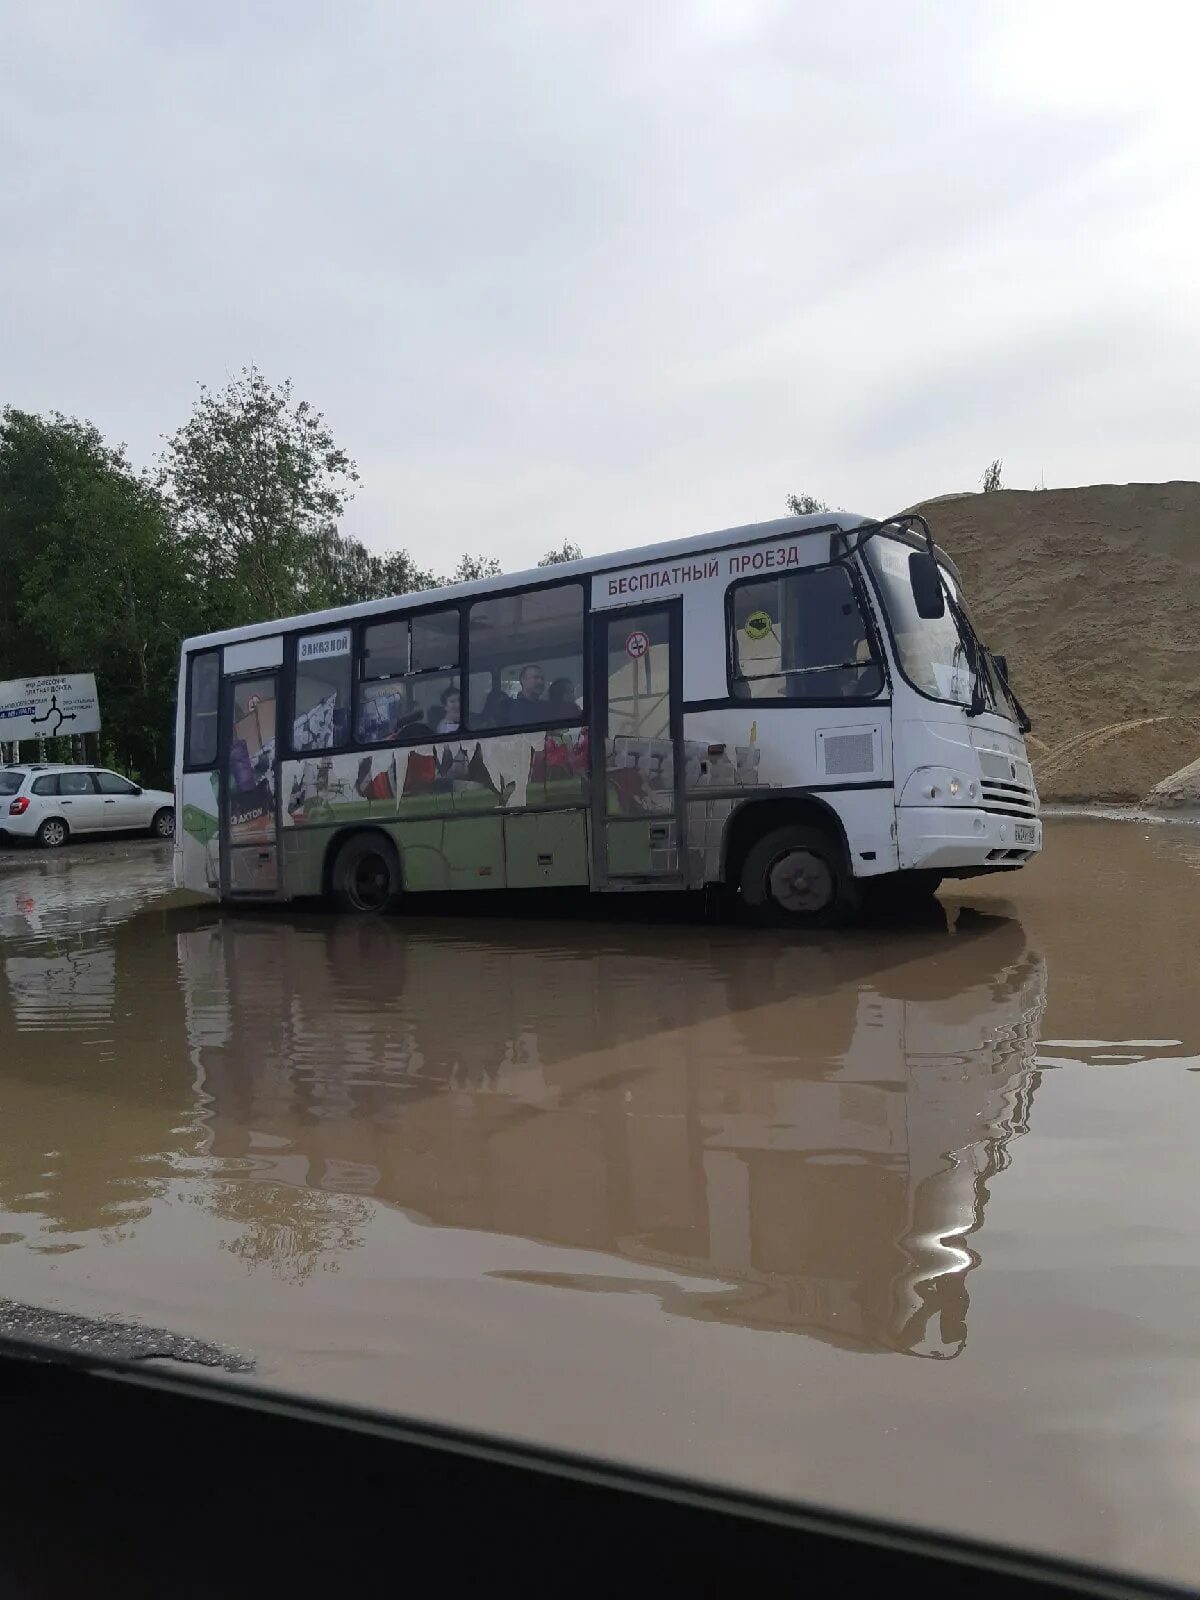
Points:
(1024, 834)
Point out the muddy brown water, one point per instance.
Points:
(903, 1220)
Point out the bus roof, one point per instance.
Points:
(609, 561)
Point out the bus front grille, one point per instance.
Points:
(1008, 799)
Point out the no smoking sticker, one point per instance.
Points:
(637, 644)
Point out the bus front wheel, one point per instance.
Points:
(797, 877)
(366, 875)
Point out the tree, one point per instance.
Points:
(92, 579)
(343, 571)
(567, 551)
(991, 477)
(805, 505)
(257, 482)
(470, 568)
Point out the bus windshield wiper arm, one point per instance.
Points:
(800, 672)
(1023, 719)
(972, 650)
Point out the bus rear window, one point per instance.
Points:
(802, 637)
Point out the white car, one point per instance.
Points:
(50, 803)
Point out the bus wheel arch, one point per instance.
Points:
(788, 860)
(362, 872)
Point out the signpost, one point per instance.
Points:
(52, 707)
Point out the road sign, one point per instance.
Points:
(637, 644)
(44, 708)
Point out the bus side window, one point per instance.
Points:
(203, 699)
(411, 686)
(527, 660)
(321, 713)
(802, 636)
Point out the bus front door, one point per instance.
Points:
(638, 811)
(250, 786)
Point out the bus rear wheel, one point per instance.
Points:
(797, 877)
(366, 875)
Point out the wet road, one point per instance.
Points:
(903, 1220)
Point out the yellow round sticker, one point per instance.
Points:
(758, 625)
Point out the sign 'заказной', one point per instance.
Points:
(44, 708)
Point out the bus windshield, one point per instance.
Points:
(932, 653)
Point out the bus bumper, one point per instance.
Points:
(942, 837)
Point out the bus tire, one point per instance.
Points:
(366, 875)
(798, 877)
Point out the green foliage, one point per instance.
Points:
(92, 579)
(805, 505)
(567, 551)
(105, 571)
(470, 568)
(341, 571)
(991, 477)
(255, 481)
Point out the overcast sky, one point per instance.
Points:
(616, 271)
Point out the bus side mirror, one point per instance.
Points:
(926, 581)
(1002, 666)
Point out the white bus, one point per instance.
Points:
(798, 712)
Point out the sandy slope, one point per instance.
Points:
(1094, 594)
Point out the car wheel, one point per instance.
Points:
(366, 875)
(163, 826)
(797, 877)
(53, 833)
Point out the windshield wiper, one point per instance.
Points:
(801, 672)
(1023, 719)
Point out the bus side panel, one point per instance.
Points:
(197, 836)
(508, 811)
(527, 851)
(547, 849)
(840, 753)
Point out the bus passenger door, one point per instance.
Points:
(637, 789)
(250, 786)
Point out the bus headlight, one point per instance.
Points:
(939, 785)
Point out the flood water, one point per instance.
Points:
(905, 1220)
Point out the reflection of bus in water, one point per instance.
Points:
(813, 1133)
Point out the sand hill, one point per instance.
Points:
(1094, 595)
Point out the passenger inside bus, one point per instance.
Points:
(561, 696)
(528, 706)
(449, 717)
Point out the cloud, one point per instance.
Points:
(610, 271)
